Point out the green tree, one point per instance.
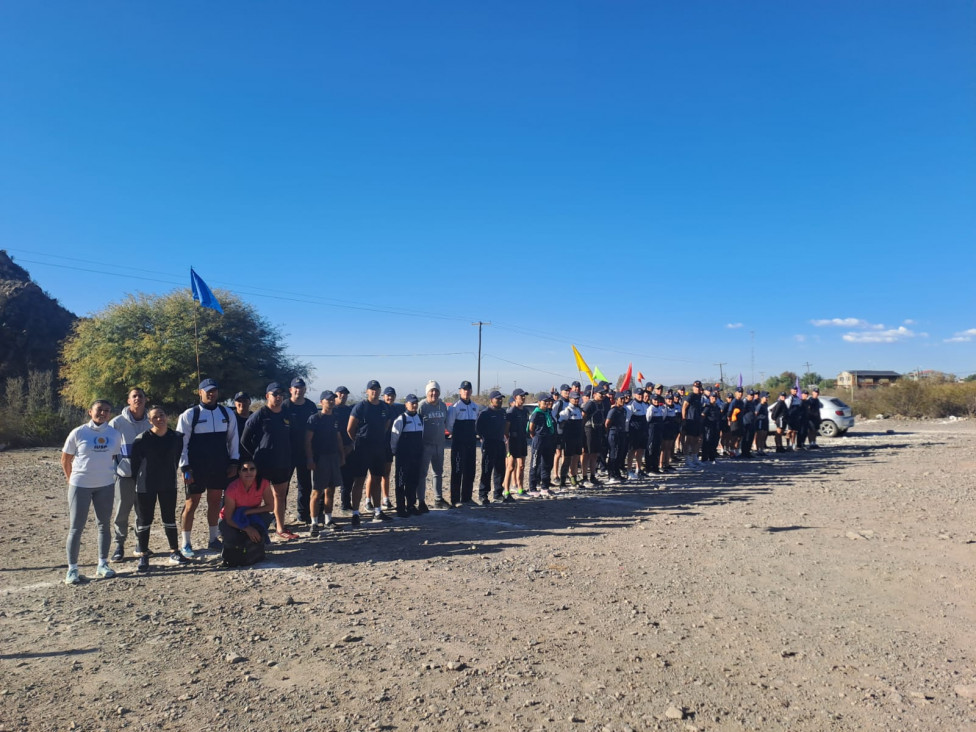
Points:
(147, 341)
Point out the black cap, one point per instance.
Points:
(465, 385)
(373, 384)
(411, 399)
(495, 394)
(574, 395)
(782, 393)
(341, 390)
(274, 388)
(519, 392)
(564, 387)
(327, 395)
(298, 381)
(389, 391)
(576, 385)
(241, 396)
(207, 385)
(543, 396)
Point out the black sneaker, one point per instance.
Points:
(119, 554)
(178, 558)
(386, 504)
(369, 504)
(347, 507)
(316, 530)
(485, 502)
(381, 517)
(509, 499)
(441, 503)
(143, 565)
(355, 520)
(332, 526)
(423, 508)
(414, 511)
(403, 513)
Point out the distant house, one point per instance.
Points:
(848, 379)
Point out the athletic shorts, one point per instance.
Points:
(275, 476)
(573, 446)
(762, 425)
(638, 439)
(327, 473)
(735, 427)
(206, 482)
(518, 448)
(690, 428)
(367, 459)
(595, 441)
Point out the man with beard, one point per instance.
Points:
(209, 458)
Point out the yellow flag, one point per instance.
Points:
(581, 365)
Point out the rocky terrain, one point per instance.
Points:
(833, 589)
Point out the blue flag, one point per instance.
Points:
(202, 293)
(740, 379)
(797, 385)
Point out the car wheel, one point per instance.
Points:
(828, 429)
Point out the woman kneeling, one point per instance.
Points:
(245, 517)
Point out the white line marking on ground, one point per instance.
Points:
(27, 588)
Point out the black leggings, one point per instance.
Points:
(145, 511)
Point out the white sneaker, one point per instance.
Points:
(104, 571)
(631, 475)
(72, 578)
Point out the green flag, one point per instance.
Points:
(598, 375)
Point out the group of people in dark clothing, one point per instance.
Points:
(244, 461)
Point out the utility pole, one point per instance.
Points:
(721, 374)
(752, 357)
(480, 323)
(807, 372)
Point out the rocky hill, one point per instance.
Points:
(32, 323)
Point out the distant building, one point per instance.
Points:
(848, 379)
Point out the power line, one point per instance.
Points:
(379, 355)
(530, 368)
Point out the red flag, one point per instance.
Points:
(640, 376)
(626, 383)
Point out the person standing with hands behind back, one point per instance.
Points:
(88, 462)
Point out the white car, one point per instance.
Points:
(835, 417)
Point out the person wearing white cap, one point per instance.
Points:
(433, 413)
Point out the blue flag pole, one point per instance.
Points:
(204, 295)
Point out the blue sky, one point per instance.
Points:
(763, 185)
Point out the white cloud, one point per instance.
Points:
(908, 321)
(733, 325)
(847, 323)
(963, 336)
(892, 335)
(799, 338)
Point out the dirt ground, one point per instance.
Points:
(822, 590)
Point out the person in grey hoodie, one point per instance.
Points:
(433, 413)
(131, 423)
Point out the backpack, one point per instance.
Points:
(243, 554)
(196, 416)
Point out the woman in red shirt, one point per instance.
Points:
(255, 499)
